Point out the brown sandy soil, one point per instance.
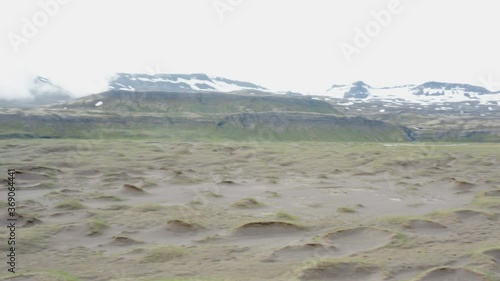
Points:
(154, 210)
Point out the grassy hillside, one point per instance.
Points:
(194, 116)
(268, 126)
(202, 103)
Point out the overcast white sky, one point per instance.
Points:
(280, 44)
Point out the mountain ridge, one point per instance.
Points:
(44, 92)
(178, 82)
(426, 93)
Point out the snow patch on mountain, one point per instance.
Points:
(427, 93)
(178, 82)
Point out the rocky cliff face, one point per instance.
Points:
(263, 126)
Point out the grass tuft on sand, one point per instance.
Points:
(328, 269)
(130, 188)
(164, 254)
(70, 204)
(108, 197)
(34, 239)
(286, 216)
(485, 199)
(453, 273)
(117, 207)
(400, 240)
(212, 194)
(348, 210)
(148, 207)
(248, 203)
(96, 226)
(53, 275)
(272, 194)
(124, 240)
(182, 225)
(270, 226)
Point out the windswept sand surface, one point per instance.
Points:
(153, 210)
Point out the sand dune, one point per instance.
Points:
(494, 253)
(267, 228)
(306, 252)
(455, 274)
(427, 227)
(342, 271)
(359, 239)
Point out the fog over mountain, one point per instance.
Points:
(299, 51)
(43, 91)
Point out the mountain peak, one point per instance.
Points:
(44, 87)
(360, 84)
(454, 86)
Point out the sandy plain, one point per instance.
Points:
(152, 210)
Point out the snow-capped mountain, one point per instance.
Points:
(427, 93)
(178, 83)
(42, 92)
